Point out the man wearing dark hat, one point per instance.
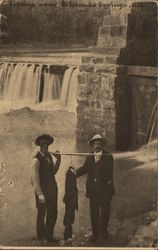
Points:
(99, 185)
(44, 168)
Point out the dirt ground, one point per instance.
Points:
(134, 206)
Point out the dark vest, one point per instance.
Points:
(46, 174)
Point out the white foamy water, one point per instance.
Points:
(65, 86)
(20, 86)
(52, 86)
(73, 91)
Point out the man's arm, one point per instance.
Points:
(36, 180)
(110, 166)
(110, 172)
(57, 161)
(82, 170)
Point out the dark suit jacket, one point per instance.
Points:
(99, 183)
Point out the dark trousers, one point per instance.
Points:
(46, 218)
(68, 231)
(99, 214)
(68, 221)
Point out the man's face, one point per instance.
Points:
(44, 146)
(97, 146)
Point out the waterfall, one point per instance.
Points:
(3, 77)
(27, 88)
(6, 80)
(52, 86)
(15, 90)
(72, 94)
(65, 86)
(38, 87)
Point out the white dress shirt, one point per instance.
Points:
(97, 156)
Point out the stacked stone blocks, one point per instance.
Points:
(96, 108)
(98, 72)
(108, 100)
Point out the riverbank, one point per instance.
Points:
(133, 211)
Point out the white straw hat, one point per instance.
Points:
(96, 137)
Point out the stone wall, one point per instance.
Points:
(141, 39)
(98, 73)
(96, 107)
(118, 102)
(112, 93)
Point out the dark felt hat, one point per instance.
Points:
(47, 137)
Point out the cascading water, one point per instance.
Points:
(37, 87)
(72, 93)
(65, 86)
(52, 86)
(20, 83)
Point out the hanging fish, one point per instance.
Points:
(71, 201)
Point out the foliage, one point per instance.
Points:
(49, 24)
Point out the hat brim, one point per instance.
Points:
(49, 138)
(91, 142)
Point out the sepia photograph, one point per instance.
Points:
(78, 124)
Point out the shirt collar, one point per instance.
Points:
(98, 153)
(42, 154)
(97, 156)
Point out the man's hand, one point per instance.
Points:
(57, 154)
(41, 198)
(73, 170)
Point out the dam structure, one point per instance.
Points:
(32, 84)
(112, 87)
(118, 80)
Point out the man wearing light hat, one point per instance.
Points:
(44, 168)
(99, 185)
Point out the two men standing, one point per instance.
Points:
(99, 186)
